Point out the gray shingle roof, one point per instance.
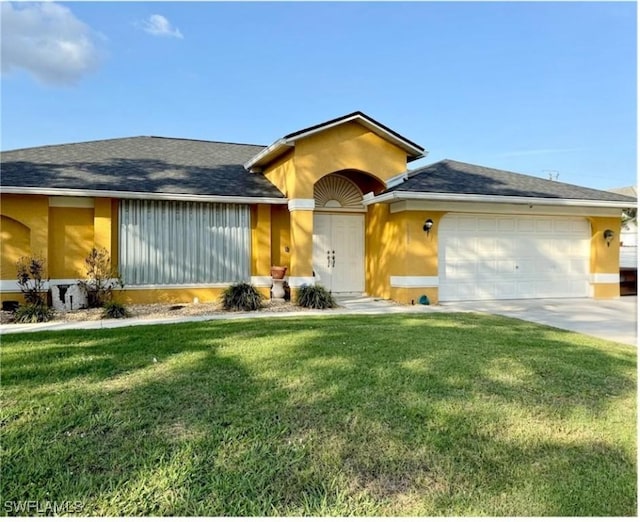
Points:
(454, 177)
(142, 164)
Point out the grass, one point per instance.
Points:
(429, 415)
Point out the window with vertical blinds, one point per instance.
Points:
(178, 242)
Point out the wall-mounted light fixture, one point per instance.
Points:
(428, 225)
(608, 236)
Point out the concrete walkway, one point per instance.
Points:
(614, 320)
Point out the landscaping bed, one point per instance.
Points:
(153, 311)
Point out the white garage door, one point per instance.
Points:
(507, 257)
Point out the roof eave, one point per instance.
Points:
(400, 195)
(277, 148)
(121, 194)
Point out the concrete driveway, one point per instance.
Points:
(614, 320)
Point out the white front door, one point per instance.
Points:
(338, 251)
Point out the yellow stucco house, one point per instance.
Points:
(336, 203)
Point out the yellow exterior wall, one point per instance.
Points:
(114, 233)
(32, 212)
(396, 245)
(280, 236)
(412, 295)
(16, 243)
(348, 146)
(280, 171)
(71, 239)
(260, 240)
(301, 257)
(383, 249)
(24, 230)
(168, 295)
(102, 221)
(605, 259)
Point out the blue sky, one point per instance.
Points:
(538, 88)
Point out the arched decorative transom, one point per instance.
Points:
(337, 192)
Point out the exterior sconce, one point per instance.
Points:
(428, 225)
(608, 236)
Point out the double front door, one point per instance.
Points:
(338, 251)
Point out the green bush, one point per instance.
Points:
(316, 296)
(241, 296)
(114, 310)
(33, 313)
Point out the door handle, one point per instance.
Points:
(328, 259)
(334, 259)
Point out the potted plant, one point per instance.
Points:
(278, 272)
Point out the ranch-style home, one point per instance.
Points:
(336, 203)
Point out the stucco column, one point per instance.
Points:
(301, 216)
(261, 248)
(605, 259)
(102, 224)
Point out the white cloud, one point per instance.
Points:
(158, 25)
(47, 40)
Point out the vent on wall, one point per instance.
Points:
(334, 191)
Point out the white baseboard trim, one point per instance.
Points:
(297, 282)
(11, 285)
(605, 278)
(261, 281)
(414, 281)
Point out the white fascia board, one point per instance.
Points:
(500, 208)
(368, 124)
(481, 198)
(397, 180)
(272, 150)
(37, 191)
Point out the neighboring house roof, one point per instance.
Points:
(455, 177)
(279, 147)
(145, 164)
(631, 191)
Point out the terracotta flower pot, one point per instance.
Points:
(278, 272)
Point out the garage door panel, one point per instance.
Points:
(506, 225)
(487, 225)
(510, 257)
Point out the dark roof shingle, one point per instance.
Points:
(454, 177)
(141, 164)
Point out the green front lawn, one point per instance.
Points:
(433, 415)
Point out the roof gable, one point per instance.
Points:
(281, 146)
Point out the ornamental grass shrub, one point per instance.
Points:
(241, 296)
(315, 296)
